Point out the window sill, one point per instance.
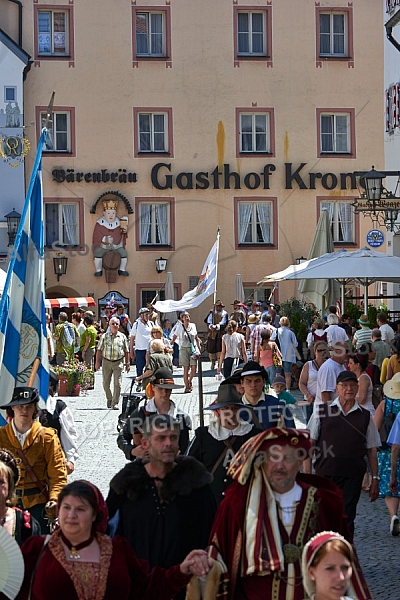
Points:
(155, 246)
(334, 57)
(153, 153)
(255, 153)
(253, 57)
(345, 244)
(151, 57)
(336, 155)
(260, 246)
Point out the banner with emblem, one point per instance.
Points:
(206, 286)
(23, 337)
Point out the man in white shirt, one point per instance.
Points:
(334, 332)
(139, 339)
(387, 332)
(328, 373)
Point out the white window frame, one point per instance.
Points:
(10, 87)
(254, 132)
(334, 209)
(254, 224)
(250, 14)
(332, 34)
(151, 226)
(53, 34)
(150, 34)
(62, 237)
(153, 132)
(54, 133)
(334, 134)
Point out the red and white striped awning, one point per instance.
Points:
(69, 302)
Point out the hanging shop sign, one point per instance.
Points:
(375, 238)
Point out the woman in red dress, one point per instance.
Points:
(79, 562)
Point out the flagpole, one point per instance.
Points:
(216, 266)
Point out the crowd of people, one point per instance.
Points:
(245, 507)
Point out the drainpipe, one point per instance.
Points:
(395, 20)
(19, 20)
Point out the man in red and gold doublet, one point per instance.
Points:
(268, 515)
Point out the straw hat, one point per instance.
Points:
(391, 389)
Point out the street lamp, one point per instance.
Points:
(13, 221)
(60, 263)
(375, 201)
(161, 264)
(373, 184)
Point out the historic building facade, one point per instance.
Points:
(182, 117)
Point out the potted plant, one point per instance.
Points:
(74, 377)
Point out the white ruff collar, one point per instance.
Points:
(102, 221)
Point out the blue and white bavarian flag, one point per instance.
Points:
(22, 312)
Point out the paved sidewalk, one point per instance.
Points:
(100, 459)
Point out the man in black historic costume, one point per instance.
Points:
(216, 444)
(166, 506)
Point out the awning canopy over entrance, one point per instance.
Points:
(69, 302)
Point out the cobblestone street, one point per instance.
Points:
(100, 459)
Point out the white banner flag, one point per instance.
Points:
(205, 287)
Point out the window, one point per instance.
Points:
(255, 131)
(336, 132)
(252, 292)
(62, 223)
(193, 281)
(10, 94)
(155, 223)
(341, 216)
(392, 107)
(255, 220)
(153, 131)
(147, 296)
(60, 138)
(53, 30)
(150, 38)
(253, 33)
(334, 34)
(151, 34)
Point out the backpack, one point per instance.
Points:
(69, 335)
(320, 338)
(48, 419)
(388, 420)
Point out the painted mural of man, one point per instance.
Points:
(110, 234)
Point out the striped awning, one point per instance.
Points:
(69, 302)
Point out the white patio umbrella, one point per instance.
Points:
(364, 266)
(239, 290)
(321, 292)
(170, 295)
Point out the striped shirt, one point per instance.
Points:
(113, 347)
(361, 336)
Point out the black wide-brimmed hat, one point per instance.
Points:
(254, 368)
(23, 395)
(227, 396)
(163, 378)
(235, 377)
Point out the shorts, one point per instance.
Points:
(287, 366)
(185, 357)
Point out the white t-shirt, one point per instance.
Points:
(336, 334)
(142, 333)
(182, 339)
(326, 378)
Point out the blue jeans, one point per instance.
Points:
(271, 373)
(140, 361)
